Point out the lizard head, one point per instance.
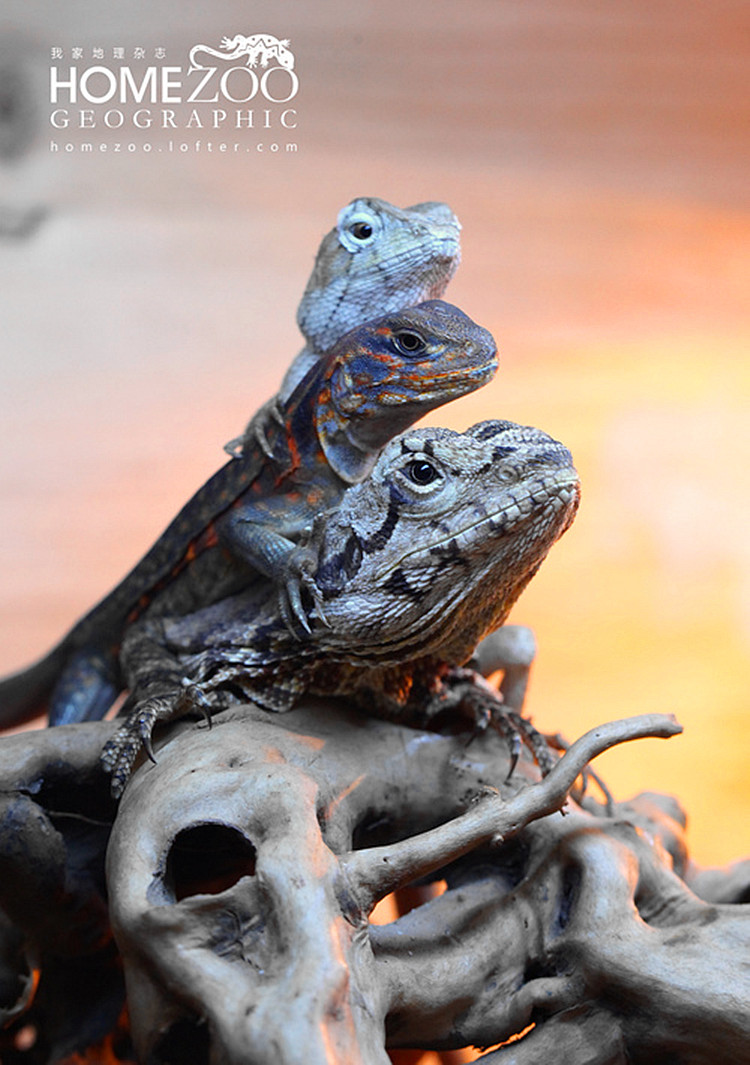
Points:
(385, 375)
(428, 554)
(378, 259)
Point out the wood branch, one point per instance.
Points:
(374, 873)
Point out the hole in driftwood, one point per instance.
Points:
(208, 859)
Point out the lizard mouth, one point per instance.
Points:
(449, 383)
(564, 494)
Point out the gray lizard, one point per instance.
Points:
(416, 565)
(380, 258)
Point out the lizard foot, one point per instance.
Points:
(255, 433)
(121, 751)
(534, 740)
(300, 585)
(472, 696)
(135, 733)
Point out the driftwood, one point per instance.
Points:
(243, 867)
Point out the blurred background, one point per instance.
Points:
(597, 156)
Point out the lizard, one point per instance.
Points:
(394, 254)
(378, 258)
(374, 383)
(417, 563)
(407, 251)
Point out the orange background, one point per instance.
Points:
(595, 154)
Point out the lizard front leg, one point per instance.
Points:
(159, 691)
(249, 535)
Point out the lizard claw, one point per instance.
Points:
(234, 447)
(293, 610)
(469, 693)
(501, 723)
(194, 698)
(136, 731)
(256, 431)
(121, 751)
(148, 746)
(299, 566)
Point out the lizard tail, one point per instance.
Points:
(25, 695)
(87, 687)
(69, 684)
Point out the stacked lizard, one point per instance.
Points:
(374, 383)
(378, 259)
(319, 434)
(297, 624)
(417, 563)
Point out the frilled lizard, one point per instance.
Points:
(374, 383)
(417, 564)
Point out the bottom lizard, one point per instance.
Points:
(418, 563)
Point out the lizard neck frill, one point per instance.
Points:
(332, 420)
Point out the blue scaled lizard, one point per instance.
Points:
(378, 258)
(374, 383)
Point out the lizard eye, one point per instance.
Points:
(361, 230)
(359, 226)
(421, 472)
(409, 343)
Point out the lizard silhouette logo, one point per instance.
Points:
(241, 56)
(258, 46)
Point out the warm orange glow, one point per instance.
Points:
(598, 164)
(643, 605)
(432, 1057)
(385, 911)
(25, 1038)
(105, 1052)
(334, 804)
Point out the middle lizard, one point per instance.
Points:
(374, 383)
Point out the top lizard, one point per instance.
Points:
(374, 383)
(378, 258)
